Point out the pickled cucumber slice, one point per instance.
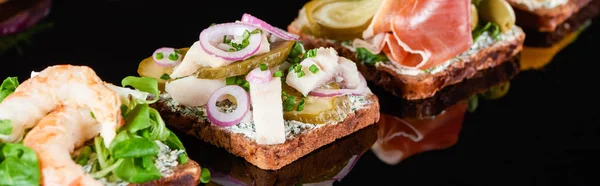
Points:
(499, 12)
(276, 56)
(474, 17)
(320, 110)
(340, 19)
(148, 68)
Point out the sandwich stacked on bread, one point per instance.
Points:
(252, 89)
(551, 25)
(72, 145)
(413, 49)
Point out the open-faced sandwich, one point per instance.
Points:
(326, 165)
(413, 49)
(547, 22)
(65, 126)
(252, 89)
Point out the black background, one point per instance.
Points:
(543, 132)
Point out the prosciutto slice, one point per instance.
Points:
(420, 33)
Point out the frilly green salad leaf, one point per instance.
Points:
(131, 155)
(9, 85)
(18, 165)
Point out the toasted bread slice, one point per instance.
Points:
(183, 174)
(426, 85)
(320, 165)
(270, 157)
(547, 26)
(482, 81)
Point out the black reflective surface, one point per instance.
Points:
(545, 131)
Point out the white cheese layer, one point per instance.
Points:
(538, 4)
(267, 112)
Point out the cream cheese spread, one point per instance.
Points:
(292, 128)
(538, 4)
(484, 41)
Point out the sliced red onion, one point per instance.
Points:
(25, 19)
(211, 37)
(259, 76)
(347, 168)
(227, 119)
(162, 57)
(362, 88)
(247, 18)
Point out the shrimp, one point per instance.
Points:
(55, 138)
(61, 85)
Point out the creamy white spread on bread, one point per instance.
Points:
(165, 162)
(484, 41)
(292, 128)
(539, 4)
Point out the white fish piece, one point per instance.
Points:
(309, 81)
(349, 72)
(192, 91)
(267, 112)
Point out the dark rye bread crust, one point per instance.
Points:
(320, 165)
(482, 81)
(270, 157)
(545, 27)
(183, 174)
(426, 85)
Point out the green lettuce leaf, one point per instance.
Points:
(144, 84)
(18, 165)
(9, 85)
(368, 58)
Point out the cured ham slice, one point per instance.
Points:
(421, 33)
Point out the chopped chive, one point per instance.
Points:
(239, 81)
(92, 114)
(263, 67)
(213, 24)
(311, 53)
(289, 103)
(300, 105)
(225, 40)
(298, 68)
(278, 73)
(313, 68)
(159, 56)
(173, 57)
(231, 50)
(256, 31)
(165, 77)
(246, 85)
(283, 93)
(301, 74)
(291, 69)
(246, 35)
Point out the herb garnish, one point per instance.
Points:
(300, 105)
(238, 80)
(368, 58)
(311, 53)
(245, 40)
(165, 77)
(263, 67)
(493, 28)
(278, 73)
(159, 56)
(313, 68)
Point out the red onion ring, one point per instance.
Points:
(227, 119)
(212, 36)
(247, 18)
(165, 61)
(26, 19)
(362, 88)
(259, 76)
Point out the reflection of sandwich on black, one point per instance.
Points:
(399, 138)
(325, 165)
(18, 19)
(415, 52)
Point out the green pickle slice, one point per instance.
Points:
(340, 19)
(276, 56)
(318, 110)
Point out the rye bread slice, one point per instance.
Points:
(320, 165)
(183, 174)
(482, 81)
(545, 27)
(426, 85)
(270, 157)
